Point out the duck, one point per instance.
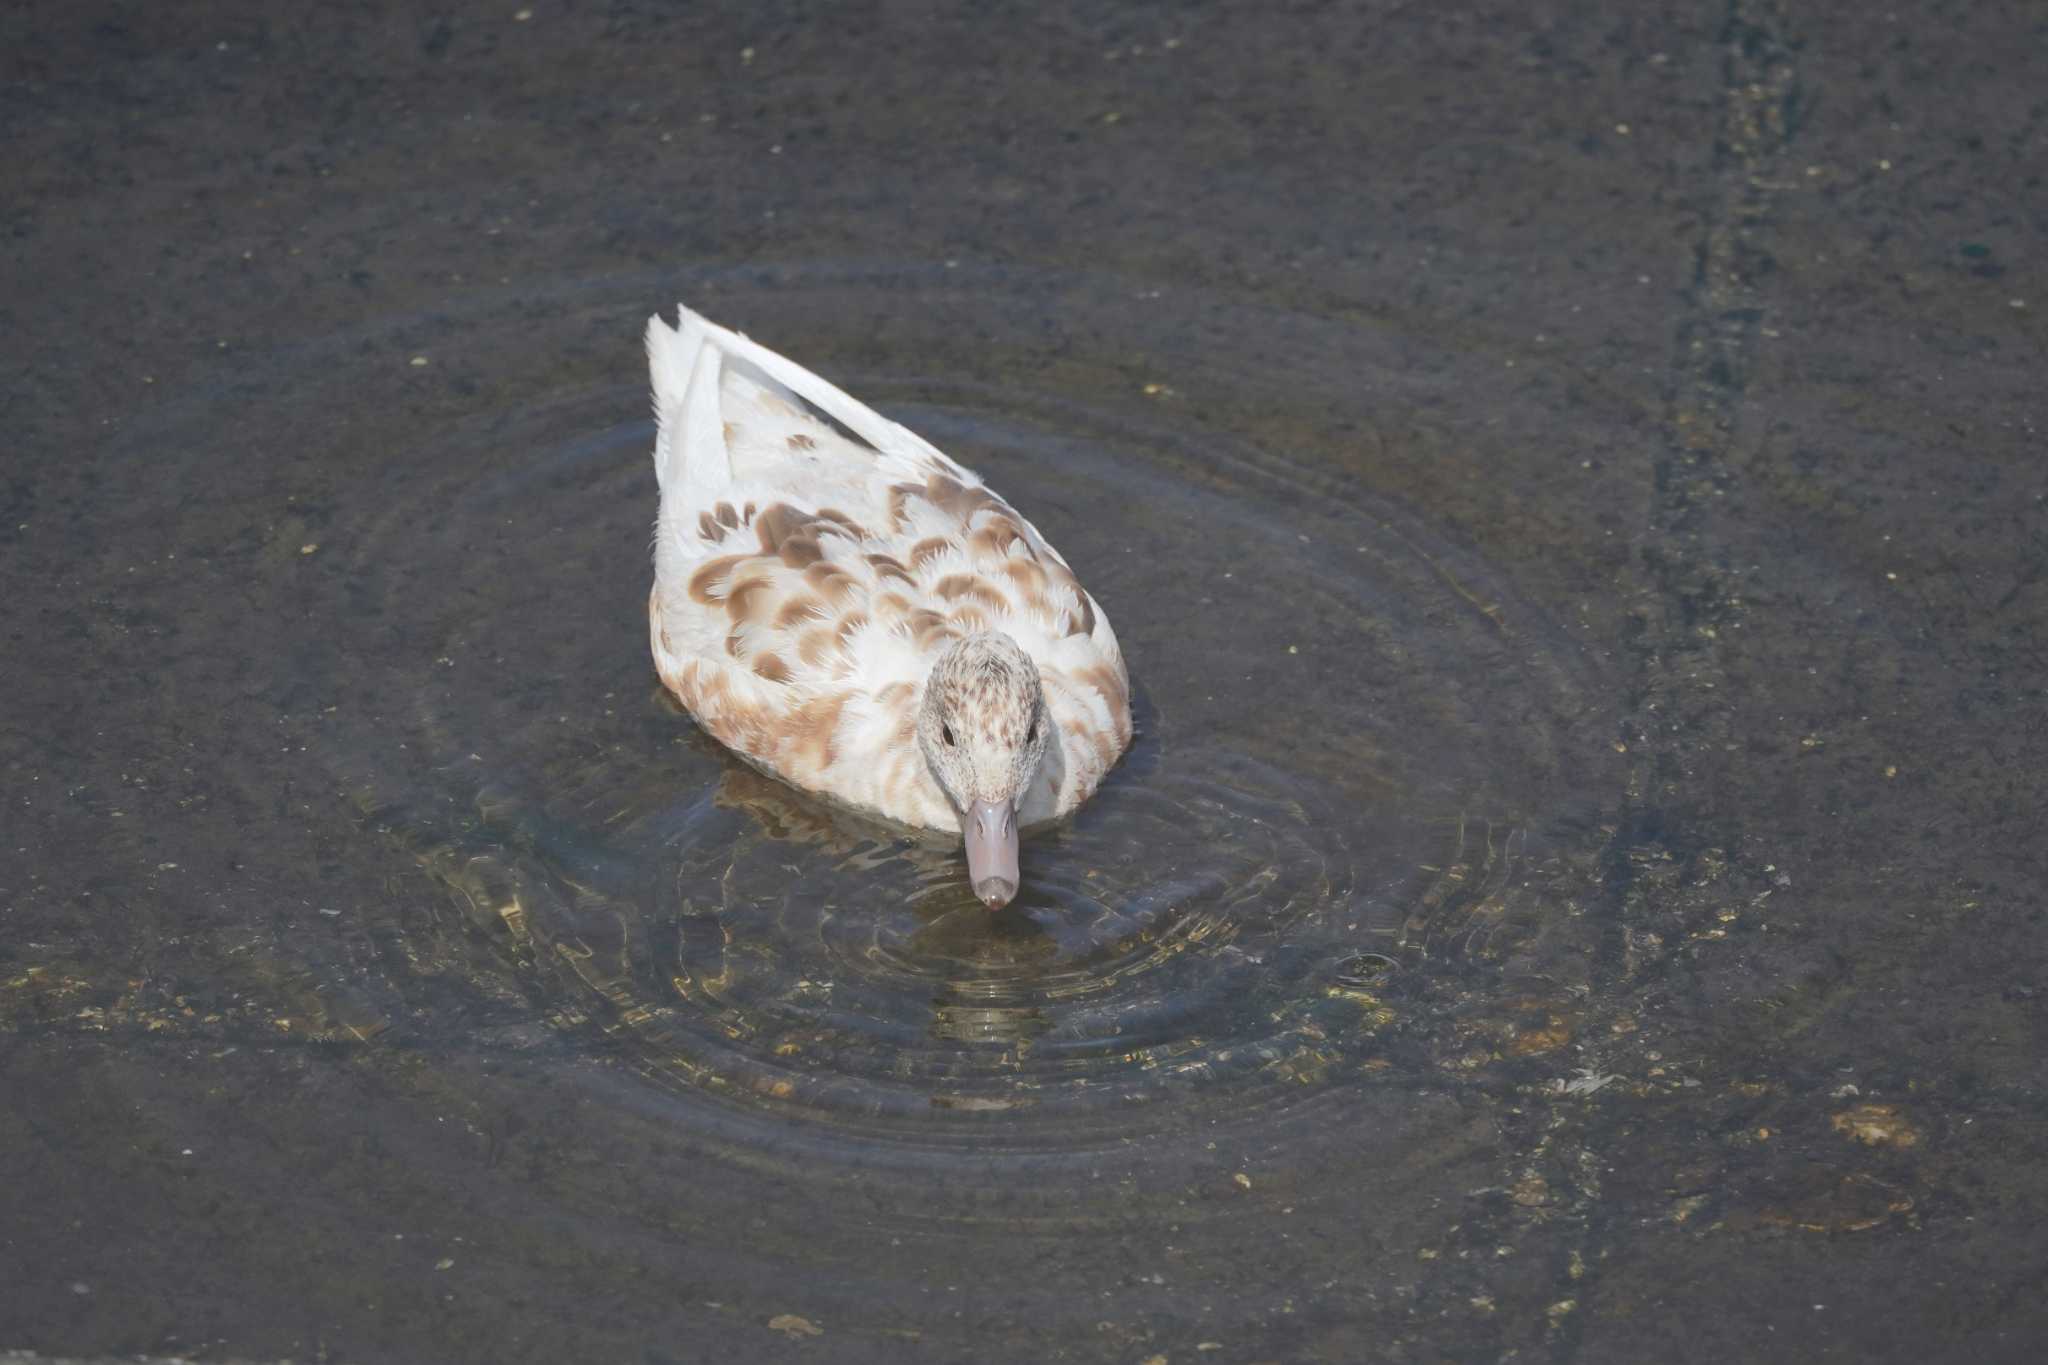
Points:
(857, 614)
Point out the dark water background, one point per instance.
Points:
(1570, 488)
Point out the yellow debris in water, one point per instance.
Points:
(1876, 1125)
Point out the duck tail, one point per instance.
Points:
(692, 357)
(685, 363)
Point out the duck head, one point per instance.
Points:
(983, 728)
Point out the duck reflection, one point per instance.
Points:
(986, 962)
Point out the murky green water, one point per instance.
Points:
(1573, 894)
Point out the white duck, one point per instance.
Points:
(857, 614)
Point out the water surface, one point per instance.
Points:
(1571, 518)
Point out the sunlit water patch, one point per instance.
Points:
(1365, 781)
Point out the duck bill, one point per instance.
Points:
(990, 830)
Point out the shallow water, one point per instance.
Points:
(1205, 939)
(1573, 890)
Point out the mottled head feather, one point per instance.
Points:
(982, 722)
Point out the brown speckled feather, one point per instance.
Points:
(806, 581)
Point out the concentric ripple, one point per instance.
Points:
(1351, 737)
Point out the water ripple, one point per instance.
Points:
(1363, 768)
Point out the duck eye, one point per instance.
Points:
(946, 733)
